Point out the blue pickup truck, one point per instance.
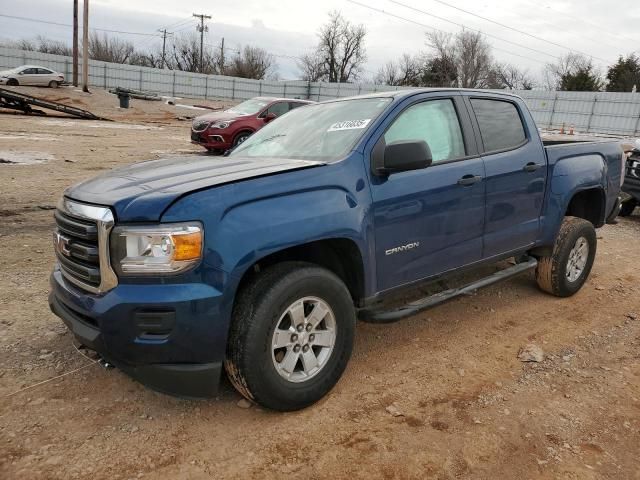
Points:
(259, 263)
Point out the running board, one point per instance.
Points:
(388, 316)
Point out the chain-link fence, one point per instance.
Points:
(589, 112)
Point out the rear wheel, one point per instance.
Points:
(12, 82)
(54, 84)
(291, 336)
(628, 207)
(564, 271)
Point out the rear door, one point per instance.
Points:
(431, 220)
(45, 76)
(515, 174)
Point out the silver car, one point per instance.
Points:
(31, 75)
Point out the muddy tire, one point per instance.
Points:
(12, 82)
(54, 84)
(628, 207)
(564, 271)
(291, 336)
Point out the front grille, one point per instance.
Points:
(81, 245)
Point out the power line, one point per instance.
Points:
(26, 19)
(472, 29)
(436, 29)
(518, 31)
(586, 22)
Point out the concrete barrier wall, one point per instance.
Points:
(589, 112)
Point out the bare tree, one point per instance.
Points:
(312, 67)
(469, 52)
(568, 66)
(340, 54)
(186, 56)
(110, 49)
(406, 72)
(506, 75)
(251, 62)
(42, 44)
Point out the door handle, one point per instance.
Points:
(531, 167)
(469, 180)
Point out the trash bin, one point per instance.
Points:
(124, 100)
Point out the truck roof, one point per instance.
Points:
(414, 91)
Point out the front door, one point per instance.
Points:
(431, 220)
(515, 176)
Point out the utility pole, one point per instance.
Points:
(75, 43)
(85, 47)
(164, 45)
(221, 61)
(202, 28)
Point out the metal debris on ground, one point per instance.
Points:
(138, 94)
(19, 101)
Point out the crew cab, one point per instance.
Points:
(175, 270)
(220, 131)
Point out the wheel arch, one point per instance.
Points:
(243, 130)
(588, 204)
(342, 256)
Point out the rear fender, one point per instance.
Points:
(570, 176)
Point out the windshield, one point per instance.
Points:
(325, 131)
(248, 107)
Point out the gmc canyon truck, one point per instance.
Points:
(260, 262)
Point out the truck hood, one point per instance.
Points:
(143, 191)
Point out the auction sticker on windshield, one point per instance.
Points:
(349, 125)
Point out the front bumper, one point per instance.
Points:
(611, 218)
(631, 186)
(218, 140)
(169, 337)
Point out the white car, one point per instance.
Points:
(31, 75)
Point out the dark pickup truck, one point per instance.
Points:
(260, 262)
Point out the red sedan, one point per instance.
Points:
(220, 131)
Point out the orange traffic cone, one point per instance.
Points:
(562, 129)
(571, 129)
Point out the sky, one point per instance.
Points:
(547, 29)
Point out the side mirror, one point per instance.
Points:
(269, 116)
(401, 156)
(21, 73)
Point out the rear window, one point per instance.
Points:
(500, 124)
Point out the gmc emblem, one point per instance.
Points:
(61, 244)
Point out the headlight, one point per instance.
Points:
(168, 248)
(221, 125)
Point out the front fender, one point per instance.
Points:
(253, 230)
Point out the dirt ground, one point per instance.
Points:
(440, 395)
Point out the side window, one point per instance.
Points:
(279, 108)
(500, 124)
(30, 71)
(44, 71)
(434, 121)
(293, 105)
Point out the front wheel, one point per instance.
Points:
(291, 336)
(564, 271)
(241, 138)
(12, 82)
